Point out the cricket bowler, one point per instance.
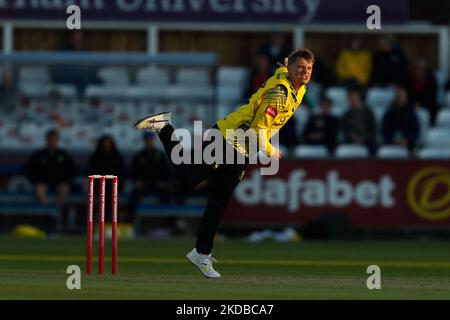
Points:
(266, 112)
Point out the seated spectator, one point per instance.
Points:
(106, 159)
(422, 88)
(9, 93)
(323, 74)
(389, 64)
(277, 49)
(358, 123)
(288, 136)
(322, 129)
(400, 123)
(151, 173)
(354, 65)
(51, 169)
(259, 74)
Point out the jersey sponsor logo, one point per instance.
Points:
(271, 111)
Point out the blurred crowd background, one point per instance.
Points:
(375, 94)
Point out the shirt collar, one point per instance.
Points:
(284, 72)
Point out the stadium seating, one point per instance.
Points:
(33, 89)
(392, 152)
(424, 123)
(434, 153)
(338, 111)
(447, 100)
(104, 92)
(182, 93)
(441, 78)
(193, 77)
(443, 119)
(231, 82)
(378, 100)
(191, 93)
(338, 96)
(348, 151)
(379, 97)
(34, 74)
(114, 76)
(18, 185)
(33, 81)
(232, 76)
(437, 137)
(15, 204)
(146, 92)
(229, 95)
(64, 90)
(311, 151)
(32, 131)
(339, 100)
(152, 76)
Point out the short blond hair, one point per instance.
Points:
(301, 53)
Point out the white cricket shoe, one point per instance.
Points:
(154, 123)
(204, 263)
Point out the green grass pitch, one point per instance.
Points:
(149, 269)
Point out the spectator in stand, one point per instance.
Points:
(277, 49)
(354, 65)
(422, 88)
(389, 64)
(9, 93)
(51, 169)
(400, 123)
(358, 123)
(106, 159)
(259, 74)
(158, 181)
(323, 74)
(288, 136)
(322, 129)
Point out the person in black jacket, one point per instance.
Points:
(322, 129)
(423, 88)
(106, 160)
(358, 123)
(400, 123)
(151, 173)
(390, 65)
(51, 169)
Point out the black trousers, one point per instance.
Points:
(222, 178)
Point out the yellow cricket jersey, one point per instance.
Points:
(267, 111)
